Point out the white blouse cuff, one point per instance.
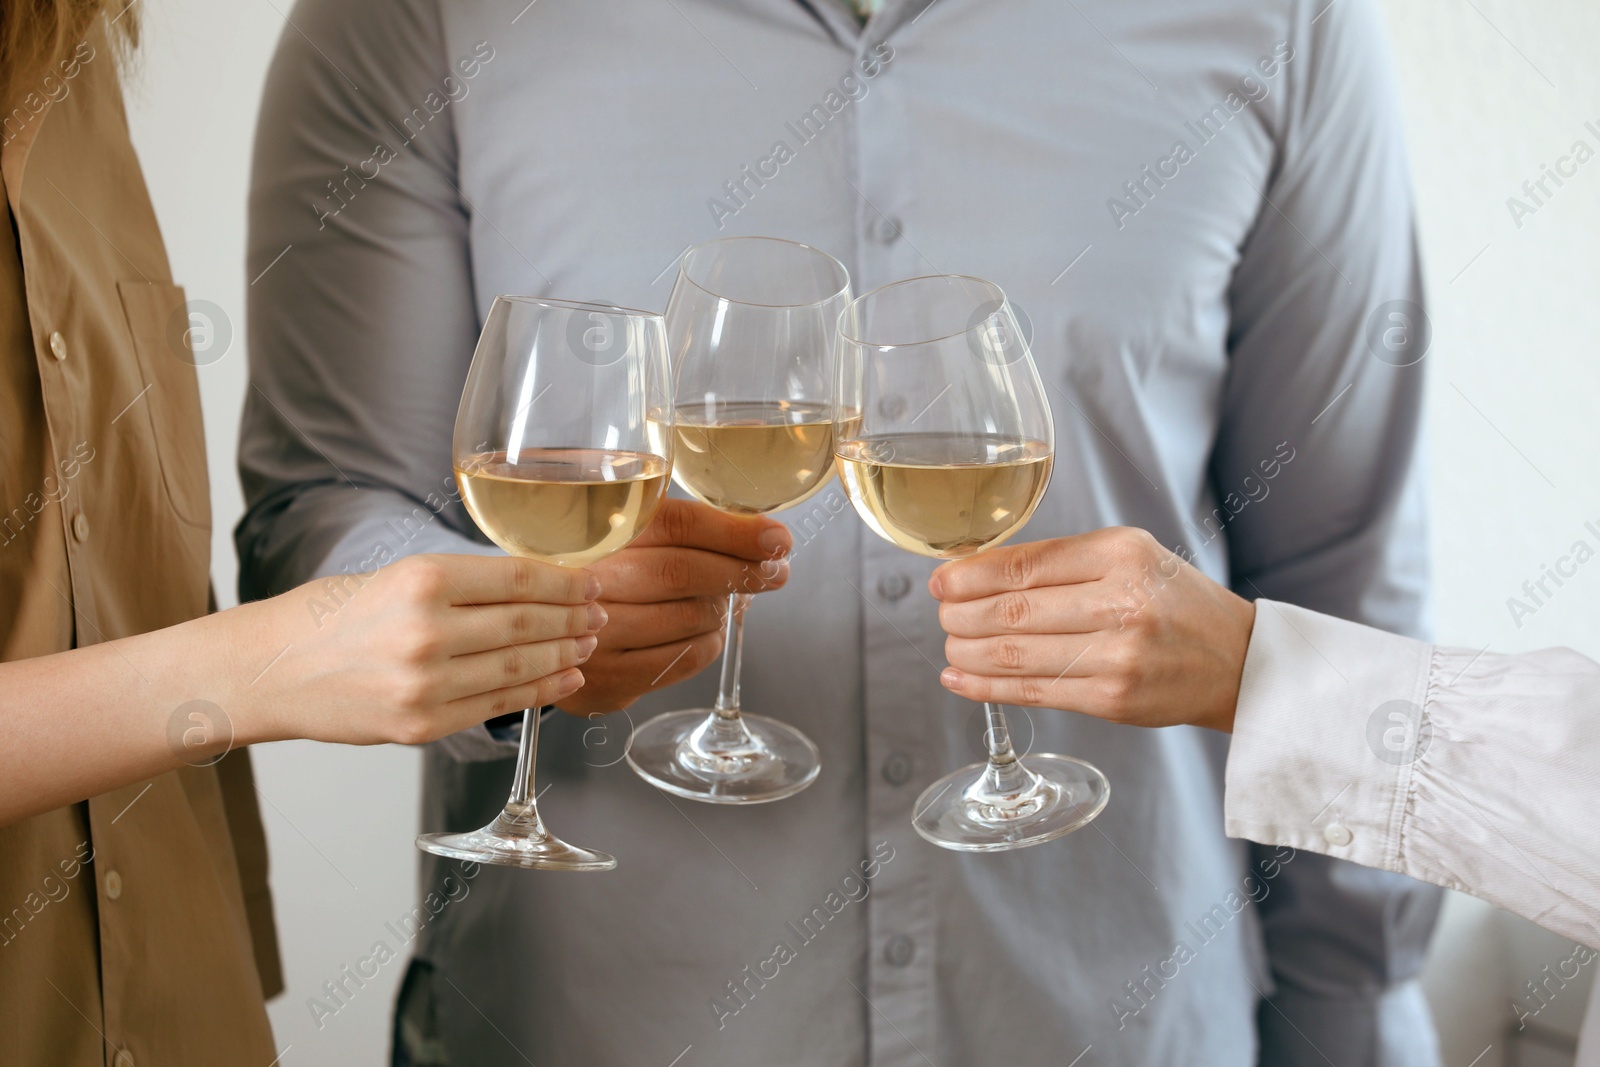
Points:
(1300, 775)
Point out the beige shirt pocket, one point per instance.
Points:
(158, 320)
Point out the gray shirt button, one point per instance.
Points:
(897, 768)
(899, 949)
(893, 586)
(884, 229)
(892, 406)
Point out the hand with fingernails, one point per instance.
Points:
(1110, 623)
(665, 595)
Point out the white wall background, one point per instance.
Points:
(1493, 90)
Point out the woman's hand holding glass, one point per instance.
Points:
(413, 651)
(949, 449)
(562, 450)
(1111, 623)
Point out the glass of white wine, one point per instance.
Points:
(951, 455)
(563, 449)
(752, 325)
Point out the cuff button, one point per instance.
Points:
(1337, 834)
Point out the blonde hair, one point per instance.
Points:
(35, 35)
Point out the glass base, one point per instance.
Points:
(1035, 800)
(513, 842)
(700, 755)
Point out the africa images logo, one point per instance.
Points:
(199, 733)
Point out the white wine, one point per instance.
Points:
(570, 506)
(752, 457)
(943, 494)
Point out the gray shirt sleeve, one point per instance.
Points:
(361, 311)
(1324, 392)
(367, 316)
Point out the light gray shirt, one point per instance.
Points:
(1201, 206)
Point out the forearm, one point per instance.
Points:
(408, 653)
(90, 720)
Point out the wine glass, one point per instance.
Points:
(563, 446)
(950, 454)
(752, 325)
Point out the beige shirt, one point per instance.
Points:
(125, 925)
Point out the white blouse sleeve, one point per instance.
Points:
(1473, 770)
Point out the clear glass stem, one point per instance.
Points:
(517, 837)
(1005, 778)
(719, 754)
(724, 731)
(521, 809)
(727, 705)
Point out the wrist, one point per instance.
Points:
(224, 661)
(1235, 648)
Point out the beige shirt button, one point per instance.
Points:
(80, 526)
(1337, 834)
(124, 1059)
(58, 346)
(113, 885)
